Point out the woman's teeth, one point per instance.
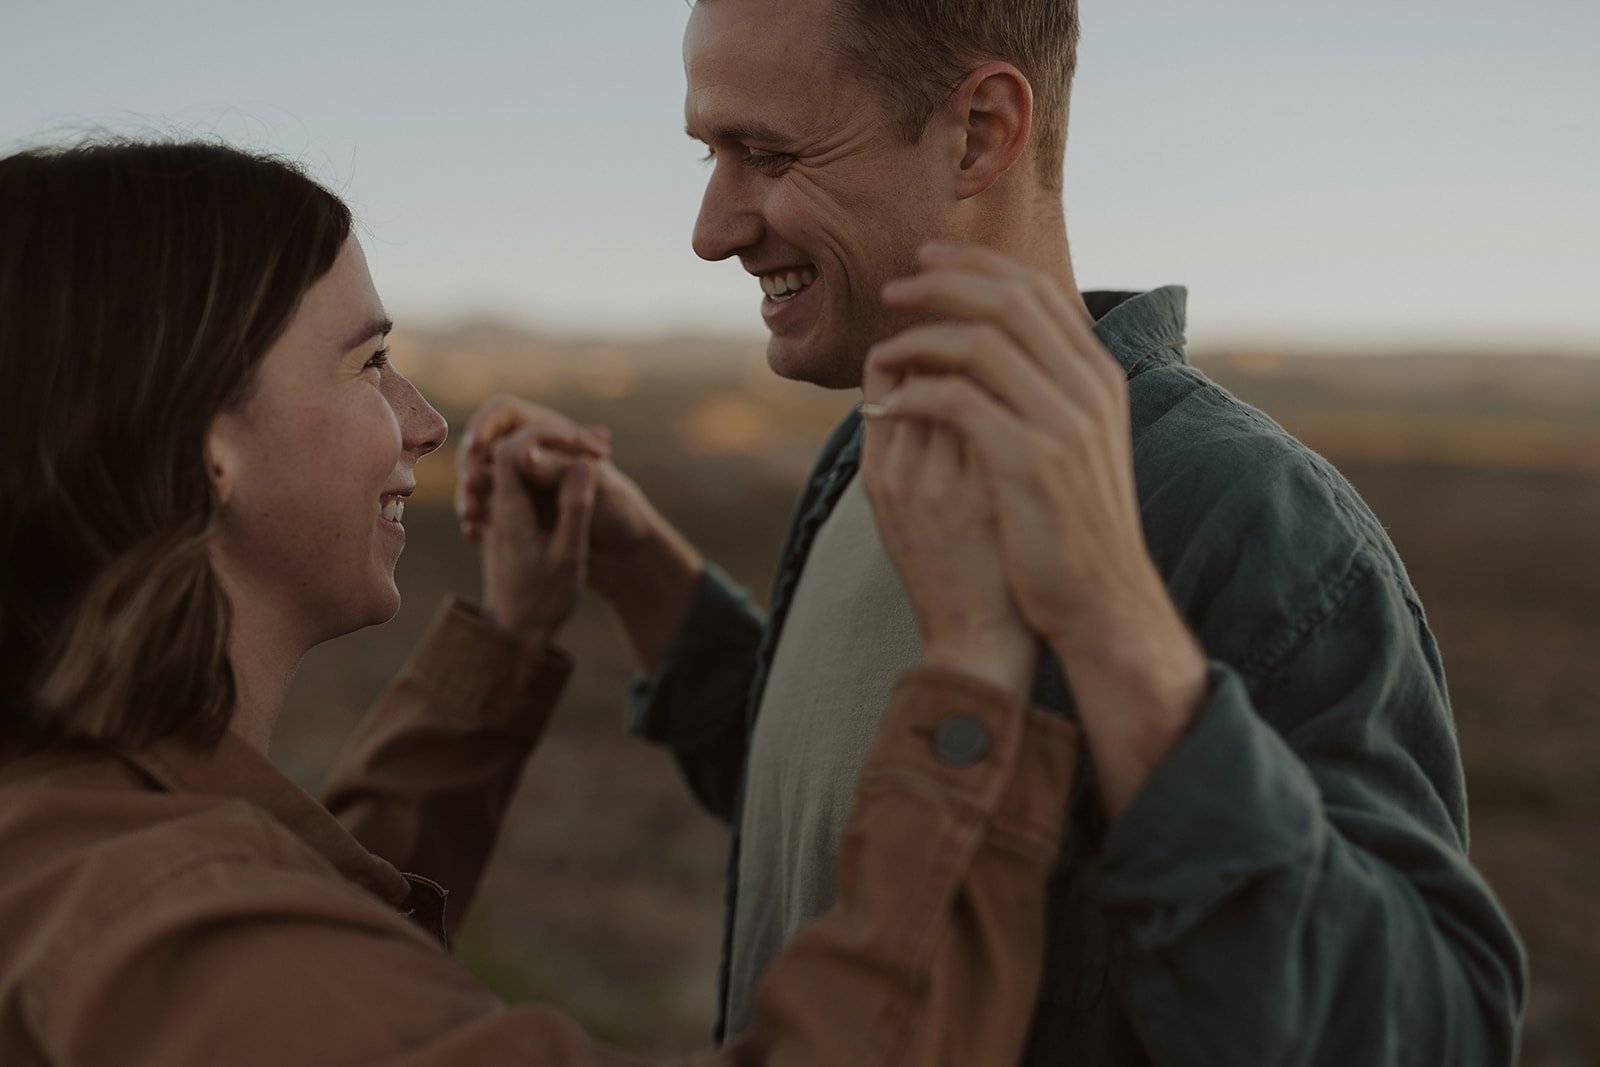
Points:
(393, 510)
(785, 285)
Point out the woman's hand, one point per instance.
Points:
(533, 566)
(1017, 373)
(937, 524)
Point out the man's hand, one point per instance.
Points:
(1016, 371)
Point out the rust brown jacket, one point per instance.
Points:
(176, 906)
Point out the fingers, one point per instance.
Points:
(992, 437)
(513, 507)
(972, 282)
(498, 418)
(539, 465)
(978, 350)
(984, 260)
(952, 293)
(495, 417)
(502, 415)
(878, 381)
(545, 461)
(569, 544)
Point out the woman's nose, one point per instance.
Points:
(422, 428)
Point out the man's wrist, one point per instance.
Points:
(660, 557)
(650, 589)
(1138, 679)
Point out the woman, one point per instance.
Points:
(207, 459)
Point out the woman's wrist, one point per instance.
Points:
(1007, 662)
(531, 634)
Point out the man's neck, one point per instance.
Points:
(1035, 235)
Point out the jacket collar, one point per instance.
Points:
(234, 769)
(1141, 330)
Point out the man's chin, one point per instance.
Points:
(805, 360)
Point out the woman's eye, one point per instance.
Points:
(379, 360)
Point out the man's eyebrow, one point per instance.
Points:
(740, 132)
(375, 328)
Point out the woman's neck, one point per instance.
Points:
(265, 653)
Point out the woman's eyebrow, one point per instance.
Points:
(375, 328)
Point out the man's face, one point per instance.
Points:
(811, 188)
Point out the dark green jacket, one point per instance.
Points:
(1292, 885)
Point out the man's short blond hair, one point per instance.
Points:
(917, 52)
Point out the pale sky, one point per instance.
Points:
(1351, 174)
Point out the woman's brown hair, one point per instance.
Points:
(140, 285)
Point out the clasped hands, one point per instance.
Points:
(1003, 422)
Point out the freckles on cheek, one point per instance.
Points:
(360, 437)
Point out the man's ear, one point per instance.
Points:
(223, 454)
(995, 107)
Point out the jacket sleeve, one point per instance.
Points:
(253, 952)
(1292, 884)
(426, 777)
(697, 701)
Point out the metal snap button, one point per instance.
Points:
(961, 742)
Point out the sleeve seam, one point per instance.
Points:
(1269, 657)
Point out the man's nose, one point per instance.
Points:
(730, 215)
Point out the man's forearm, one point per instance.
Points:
(1138, 677)
(650, 591)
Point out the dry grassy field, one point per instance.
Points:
(605, 895)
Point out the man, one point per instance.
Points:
(1268, 855)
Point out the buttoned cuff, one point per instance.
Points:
(982, 747)
(1230, 804)
(705, 676)
(475, 672)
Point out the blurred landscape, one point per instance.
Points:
(605, 896)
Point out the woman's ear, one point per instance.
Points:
(222, 454)
(995, 107)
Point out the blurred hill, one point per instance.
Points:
(1507, 412)
(606, 893)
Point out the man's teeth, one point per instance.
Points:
(394, 510)
(782, 286)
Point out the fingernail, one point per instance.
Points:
(873, 411)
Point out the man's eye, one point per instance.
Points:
(767, 162)
(772, 163)
(379, 360)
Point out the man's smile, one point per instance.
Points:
(786, 284)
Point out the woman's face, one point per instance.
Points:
(313, 466)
